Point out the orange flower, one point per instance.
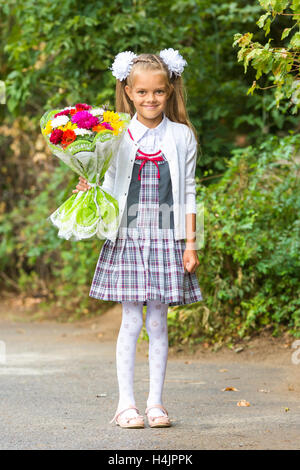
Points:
(68, 137)
(99, 128)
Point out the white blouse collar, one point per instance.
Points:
(138, 130)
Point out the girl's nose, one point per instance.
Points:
(151, 98)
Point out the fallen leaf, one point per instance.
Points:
(239, 349)
(286, 409)
(264, 391)
(243, 403)
(230, 389)
(223, 370)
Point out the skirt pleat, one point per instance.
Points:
(141, 269)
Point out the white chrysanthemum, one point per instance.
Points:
(122, 64)
(68, 108)
(97, 111)
(80, 131)
(173, 60)
(59, 121)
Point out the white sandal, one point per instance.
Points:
(132, 422)
(158, 421)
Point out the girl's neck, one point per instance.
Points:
(151, 123)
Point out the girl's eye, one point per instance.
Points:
(160, 92)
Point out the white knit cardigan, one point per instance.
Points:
(180, 149)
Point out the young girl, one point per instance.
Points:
(152, 258)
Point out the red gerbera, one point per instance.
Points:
(56, 136)
(68, 137)
(65, 112)
(82, 107)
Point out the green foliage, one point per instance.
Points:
(280, 63)
(249, 267)
(56, 54)
(40, 263)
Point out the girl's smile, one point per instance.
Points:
(149, 94)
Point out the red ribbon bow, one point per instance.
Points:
(145, 159)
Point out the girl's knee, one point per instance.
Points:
(156, 326)
(137, 322)
(132, 321)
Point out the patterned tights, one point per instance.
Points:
(156, 325)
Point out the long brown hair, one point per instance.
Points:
(176, 105)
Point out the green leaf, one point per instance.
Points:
(285, 32)
(262, 19)
(295, 41)
(252, 88)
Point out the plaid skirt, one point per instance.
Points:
(145, 262)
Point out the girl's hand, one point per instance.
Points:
(190, 260)
(82, 185)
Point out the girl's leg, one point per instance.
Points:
(132, 322)
(157, 329)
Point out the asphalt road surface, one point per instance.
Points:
(58, 390)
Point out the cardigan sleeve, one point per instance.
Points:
(190, 168)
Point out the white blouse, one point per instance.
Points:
(149, 140)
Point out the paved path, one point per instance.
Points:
(58, 390)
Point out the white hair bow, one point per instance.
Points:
(124, 60)
(175, 62)
(122, 64)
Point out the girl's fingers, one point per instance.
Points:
(79, 188)
(193, 269)
(82, 186)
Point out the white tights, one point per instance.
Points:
(156, 325)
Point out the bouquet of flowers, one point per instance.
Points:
(85, 138)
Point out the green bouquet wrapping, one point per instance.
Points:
(85, 138)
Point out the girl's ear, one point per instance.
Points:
(128, 92)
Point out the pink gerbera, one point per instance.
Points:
(107, 126)
(85, 120)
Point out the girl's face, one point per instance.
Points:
(149, 94)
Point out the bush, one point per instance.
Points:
(249, 267)
(39, 263)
